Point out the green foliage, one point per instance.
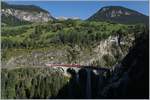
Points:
(13, 31)
(31, 83)
(83, 33)
(110, 61)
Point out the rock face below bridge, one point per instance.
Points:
(129, 79)
(106, 53)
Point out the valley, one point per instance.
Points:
(64, 42)
(102, 57)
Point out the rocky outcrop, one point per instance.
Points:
(106, 53)
(28, 16)
(110, 51)
(130, 79)
(118, 14)
(26, 13)
(114, 12)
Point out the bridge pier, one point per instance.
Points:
(77, 78)
(88, 85)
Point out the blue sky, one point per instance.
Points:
(83, 9)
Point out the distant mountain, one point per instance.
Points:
(23, 14)
(119, 14)
(67, 18)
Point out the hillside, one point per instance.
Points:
(23, 14)
(119, 14)
(82, 42)
(104, 57)
(129, 79)
(29, 8)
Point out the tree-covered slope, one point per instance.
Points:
(33, 83)
(61, 32)
(128, 80)
(82, 42)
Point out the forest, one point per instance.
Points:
(74, 50)
(41, 83)
(72, 32)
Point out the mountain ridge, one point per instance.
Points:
(119, 14)
(24, 14)
(23, 7)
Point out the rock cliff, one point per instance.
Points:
(29, 13)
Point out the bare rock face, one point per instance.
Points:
(28, 16)
(115, 12)
(119, 14)
(110, 51)
(26, 12)
(130, 78)
(106, 53)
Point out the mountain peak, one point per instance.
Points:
(115, 11)
(119, 14)
(31, 8)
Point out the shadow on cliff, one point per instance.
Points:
(77, 86)
(129, 79)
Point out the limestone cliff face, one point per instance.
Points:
(107, 53)
(130, 78)
(26, 12)
(110, 51)
(28, 16)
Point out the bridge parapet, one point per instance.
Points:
(77, 67)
